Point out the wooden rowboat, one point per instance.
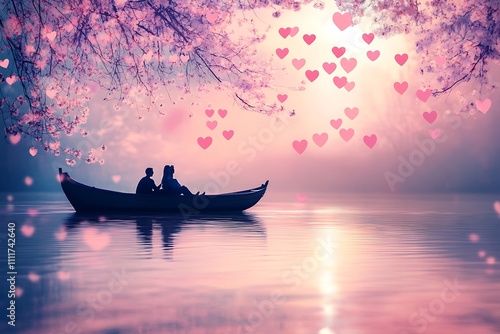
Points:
(84, 198)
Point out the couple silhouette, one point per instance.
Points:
(168, 185)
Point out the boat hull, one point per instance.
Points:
(90, 199)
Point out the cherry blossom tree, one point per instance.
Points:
(64, 50)
(456, 38)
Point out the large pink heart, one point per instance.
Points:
(298, 63)
(336, 123)
(284, 32)
(370, 141)
(351, 113)
(483, 106)
(424, 95)
(430, 117)
(282, 97)
(338, 52)
(368, 38)
(401, 87)
(346, 134)
(401, 58)
(211, 124)
(299, 146)
(312, 75)
(339, 82)
(342, 21)
(282, 52)
(329, 67)
(373, 55)
(309, 39)
(204, 142)
(228, 134)
(320, 139)
(348, 64)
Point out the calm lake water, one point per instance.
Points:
(343, 264)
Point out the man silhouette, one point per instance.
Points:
(147, 184)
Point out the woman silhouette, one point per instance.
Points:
(170, 185)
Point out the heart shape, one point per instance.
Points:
(11, 79)
(370, 141)
(282, 97)
(309, 39)
(51, 36)
(338, 52)
(14, 139)
(298, 63)
(342, 21)
(205, 142)
(401, 58)
(294, 31)
(222, 112)
(33, 151)
(228, 134)
(401, 87)
(368, 38)
(349, 86)
(348, 64)
(483, 106)
(435, 133)
(4, 63)
(339, 82)
(373, 55)
(329, 67)
(430, 117)
(320, 139)
(351, 113)
(51, 92)
(424, 95)
(184, 58)
(27, 230)
(211, 124)
(312, 75)
(346, 134)
(94, 239)
(209, 112)
(284, 32)
(336, 123)
(282, 52)
(300, 146)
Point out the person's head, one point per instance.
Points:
(168, 170)
(149, 171)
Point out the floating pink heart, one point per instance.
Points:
(51, 92)
(401, 58)
(430, 117)
(204, 142)
(309, 39)
(312, 75)
(282, 97)
(184, 58)
(299, 146)
(336, 123)
(329, 67)
(368, 38)
(349, 86)
(339, 82)
(351, 113)
(401, 87)
(27, 230)
(10, 80)
(33, 151)
(435, 133)
(348, 64)
(211, 124)
(51, 36)
(320, 139)
(373, 55)
(370, 141)
(338, 52)
(14, 139)
(298, 63)
(483, 106)
(424, 95)
(342, 21)
(209, 112)
(282, 52)
(222, 112)
(294, 31)
(228, 134)
(4, 63)
(284, 32)
(346, 134)
(94, 239)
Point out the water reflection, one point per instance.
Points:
(245, 224)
